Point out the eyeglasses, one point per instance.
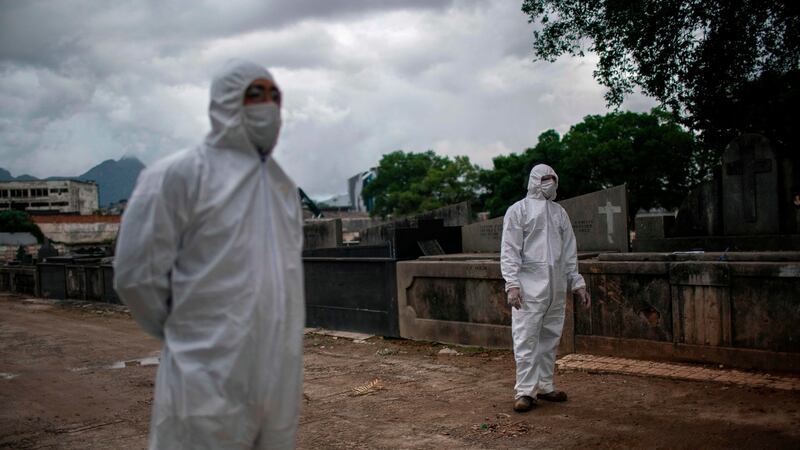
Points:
(258, 93)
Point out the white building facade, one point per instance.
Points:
(51, 196)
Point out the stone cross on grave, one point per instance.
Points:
(609, 210)
(747, 167)
(749, 187)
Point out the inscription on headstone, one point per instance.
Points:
(482, 237)
(582, 226)
(749, 187)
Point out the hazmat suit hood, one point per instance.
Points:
(226, 109)
(535, 181)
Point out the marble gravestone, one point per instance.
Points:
(750, 187)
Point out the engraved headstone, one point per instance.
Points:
(482, 237)
(600, 219)
(749, 187)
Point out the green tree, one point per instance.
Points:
(702, 59)
(507, 181)
(409, 183)
(648, 151)
(19, 222)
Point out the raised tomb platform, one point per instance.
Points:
(740, 312)
(737, 309)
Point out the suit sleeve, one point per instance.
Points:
(511, 247)
(147, 247)
(570, 251)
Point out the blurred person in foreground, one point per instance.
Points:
(539, 262)
(209, 260)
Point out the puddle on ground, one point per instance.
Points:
(8, 376)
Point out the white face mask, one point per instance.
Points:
(549, 189)
(262, 122)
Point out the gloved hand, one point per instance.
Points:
(583, 294)
(514, 298)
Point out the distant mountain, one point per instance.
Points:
(115, 179)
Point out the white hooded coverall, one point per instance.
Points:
(538, 255)
(209, 260)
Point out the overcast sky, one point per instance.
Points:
(86, 81)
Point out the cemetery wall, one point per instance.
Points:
(72, 230)
(19, 280)
(458, 302)
(351, 293)
(9, 252)
(738, 313)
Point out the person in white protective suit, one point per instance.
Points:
(538, 259)
(209, 260)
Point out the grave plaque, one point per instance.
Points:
(482, 237)
(749, 187)
(600, 219)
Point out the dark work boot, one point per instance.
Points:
(524, 403)
(555, 396)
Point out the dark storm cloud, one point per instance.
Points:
(85, 81)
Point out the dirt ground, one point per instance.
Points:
(62, 386)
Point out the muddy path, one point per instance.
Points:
(64, 383)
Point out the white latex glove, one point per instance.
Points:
(583, 294)
(515, 298)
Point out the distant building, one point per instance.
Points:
(51, 196)
(352, 201)
(339, 202)
(355, 186)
